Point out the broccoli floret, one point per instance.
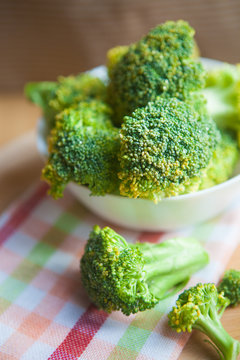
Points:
(200, 308)
(83, 148)
(163, 146)
(134, 277)
(222, 163)
(230, 286)
(220, 168)
(161, 63)
(223, 97)
(40, 94)
(54, 97)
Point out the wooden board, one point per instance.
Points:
(20, 167)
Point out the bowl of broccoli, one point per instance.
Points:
(152, 137)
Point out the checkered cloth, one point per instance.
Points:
(44, 311)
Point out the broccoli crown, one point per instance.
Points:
(83, 148)
(112, 273)
(195, 303)
(163, 145)
(160, 63)
(222, 163)
(230, 286)
(201, 307)
(74, 89)
(94, 114)
(134, 277)
(219, 169)
(223, 96)
(40, 94)
(54, 97)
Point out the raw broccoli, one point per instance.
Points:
(134, 277)
(223, 96)
(219, 169)
(54, 97)
(83, 148)
(230, 285)
(161, 63)
(222, 163)
(200, 308)
(164, 146)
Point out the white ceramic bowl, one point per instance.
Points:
(143, 215)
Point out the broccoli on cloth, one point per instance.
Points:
(134, 277)
(230, 286)
(200, 308)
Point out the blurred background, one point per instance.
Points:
(41, 39)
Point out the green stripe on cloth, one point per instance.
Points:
(41, 253)
(26, 271)
(11, 288)
(137, 333)
(67, 221)
(4, 304)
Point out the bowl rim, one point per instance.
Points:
(42, 149)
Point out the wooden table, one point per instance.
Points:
(20, 167)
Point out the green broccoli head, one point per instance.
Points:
(222, 163)
(230, 286)
(134, 277)
(219, 169)
(163, 146)
(112, 273)
(54, 97)
(201, 307)
(161, 63)
(83, 148)
(222, 92)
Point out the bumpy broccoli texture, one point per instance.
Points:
(230, 286)
(163, 145)
(54, 97)
(221, 165)
(167, 144)
(200, 308)
(134, 277)
(83, 147)
(161, 63)
(223, 97)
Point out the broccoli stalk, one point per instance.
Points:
(134, 277)
(200, 308)
(230, 285)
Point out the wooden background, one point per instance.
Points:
(41, 39)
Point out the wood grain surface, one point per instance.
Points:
(42, 39)
(20, 166)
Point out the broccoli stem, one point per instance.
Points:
(169, 265)
(162, 285)
(212, 327)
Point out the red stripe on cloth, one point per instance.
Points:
(22, 212)
(81, 335)
(150, 237)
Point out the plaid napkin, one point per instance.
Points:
(44, 311)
